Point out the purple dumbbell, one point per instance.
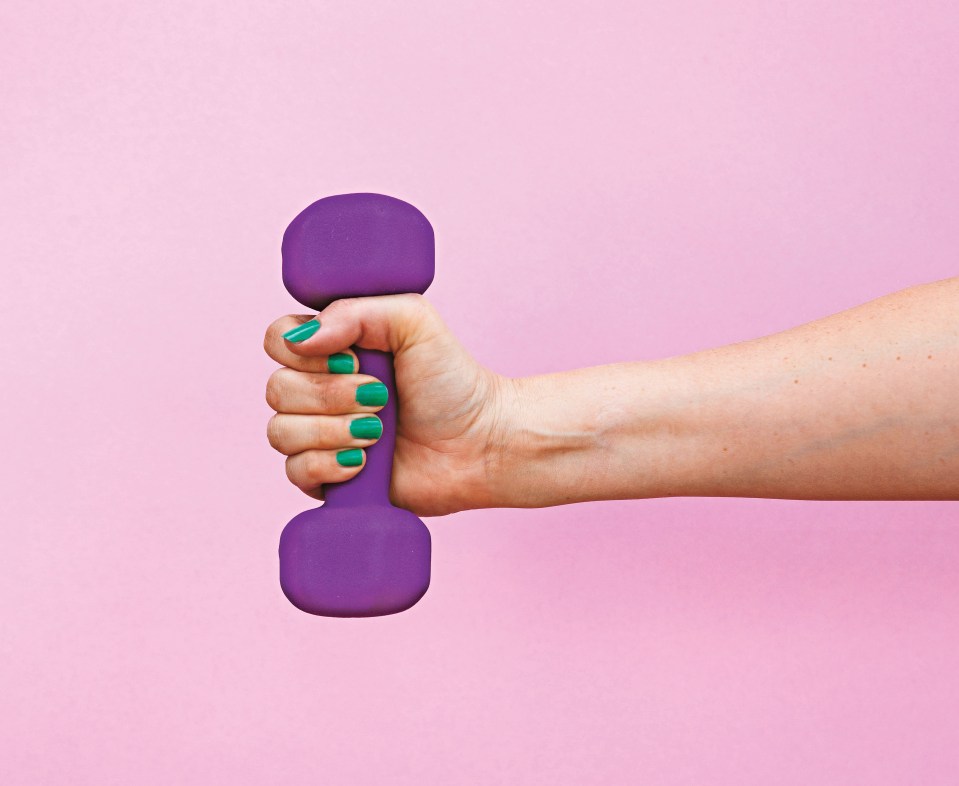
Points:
(357, 555)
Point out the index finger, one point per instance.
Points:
(343, 362)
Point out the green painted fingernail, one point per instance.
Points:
(372, 394)
(350, 458)
(302, 332)
(366, 428)
(340, 363)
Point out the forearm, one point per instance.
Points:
(860, 405)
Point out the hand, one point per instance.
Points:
(450, 423)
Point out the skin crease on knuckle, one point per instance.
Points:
(316, 469)
(273, 391)
(273, 432)
(269, 339)
(274, 335)
(306, 471)
(320, 392)
(278, 433)
(315, 431)
(419, 314)
(289, 466)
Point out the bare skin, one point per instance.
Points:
(860, 405)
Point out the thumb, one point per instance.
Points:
(388, 322)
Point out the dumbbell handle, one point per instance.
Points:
(371, 485)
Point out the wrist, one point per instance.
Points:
(624, 431)
(555, 442)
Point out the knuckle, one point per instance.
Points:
(273, 432)
(420, 317)
(320, 391)
(291, 471)
(417, 305)
(315, 467)
(413, 300)
(341, 307)
(306, 470)
(273, 334)
(274, 389)
(318, 432)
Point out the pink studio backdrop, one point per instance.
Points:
(607, 182)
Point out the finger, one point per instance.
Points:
(312, 468)
(291, 434)
(387, 322)
(278, 348)
(303, 393)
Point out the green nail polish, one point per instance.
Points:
(302, 332)
(350, 458)
(366, 428)
(372, 394)
(340, 363)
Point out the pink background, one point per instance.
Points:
(607, 182)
